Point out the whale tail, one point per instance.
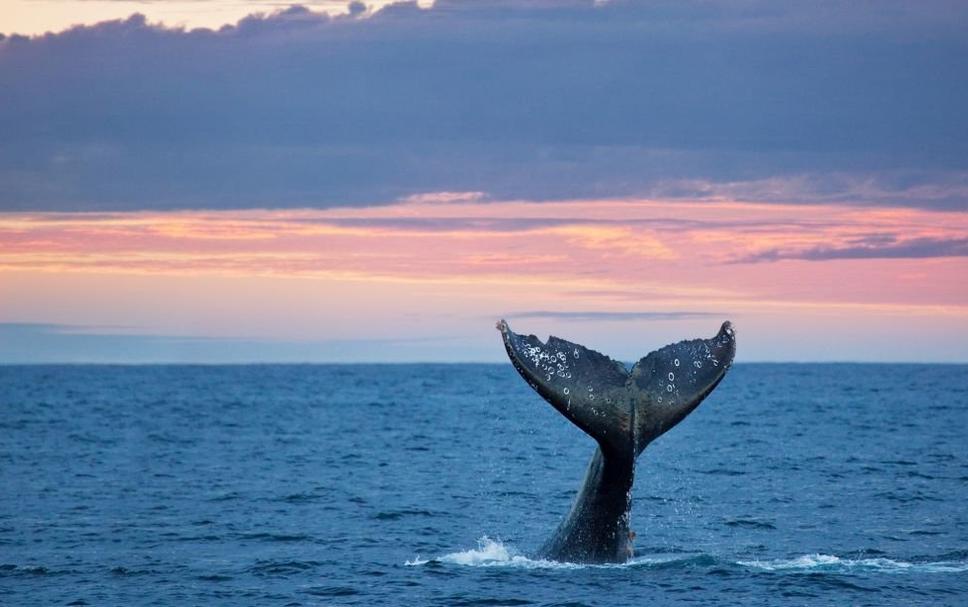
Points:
(623, 410)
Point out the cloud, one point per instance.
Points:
(659, 246)
(938, 189)
(599, 316)
(885, 246)
(537, 100)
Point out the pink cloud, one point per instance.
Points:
(586, 269)
(676, 247)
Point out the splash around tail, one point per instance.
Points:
(496, 553)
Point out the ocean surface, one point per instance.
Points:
(432, 485)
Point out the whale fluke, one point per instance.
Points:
(602, 397)
(623, 410)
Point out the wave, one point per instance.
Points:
(269, 567)
(831, 563)
(273, 537)
(495, 553)
(491, 553)
(392, 515)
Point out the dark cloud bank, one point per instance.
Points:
(599, 316)
(888, 247)
(860, 102)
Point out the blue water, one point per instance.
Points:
(431, 484)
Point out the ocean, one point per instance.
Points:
(792, 484)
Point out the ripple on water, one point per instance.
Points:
(463, 600)
(226, 497)
(274, 537)
(214, 577)
(332, 591)
(302, 498)
(122, 571)
(746, 523)
(393, 515)
(27, 570)
(272, 568)
(723, 472)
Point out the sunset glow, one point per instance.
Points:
(445, 266)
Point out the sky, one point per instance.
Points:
(212, 181)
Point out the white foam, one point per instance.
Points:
(827, 562)
(495, 553)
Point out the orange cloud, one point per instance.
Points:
(658, 250)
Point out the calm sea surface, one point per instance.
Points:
(432, 484)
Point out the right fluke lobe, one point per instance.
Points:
(669, 383)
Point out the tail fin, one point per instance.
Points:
(670, 382)
(623, 411)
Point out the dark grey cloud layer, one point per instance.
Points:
(884, 247)
(857, 102)
(599, 316)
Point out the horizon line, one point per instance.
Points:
(255, 363)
